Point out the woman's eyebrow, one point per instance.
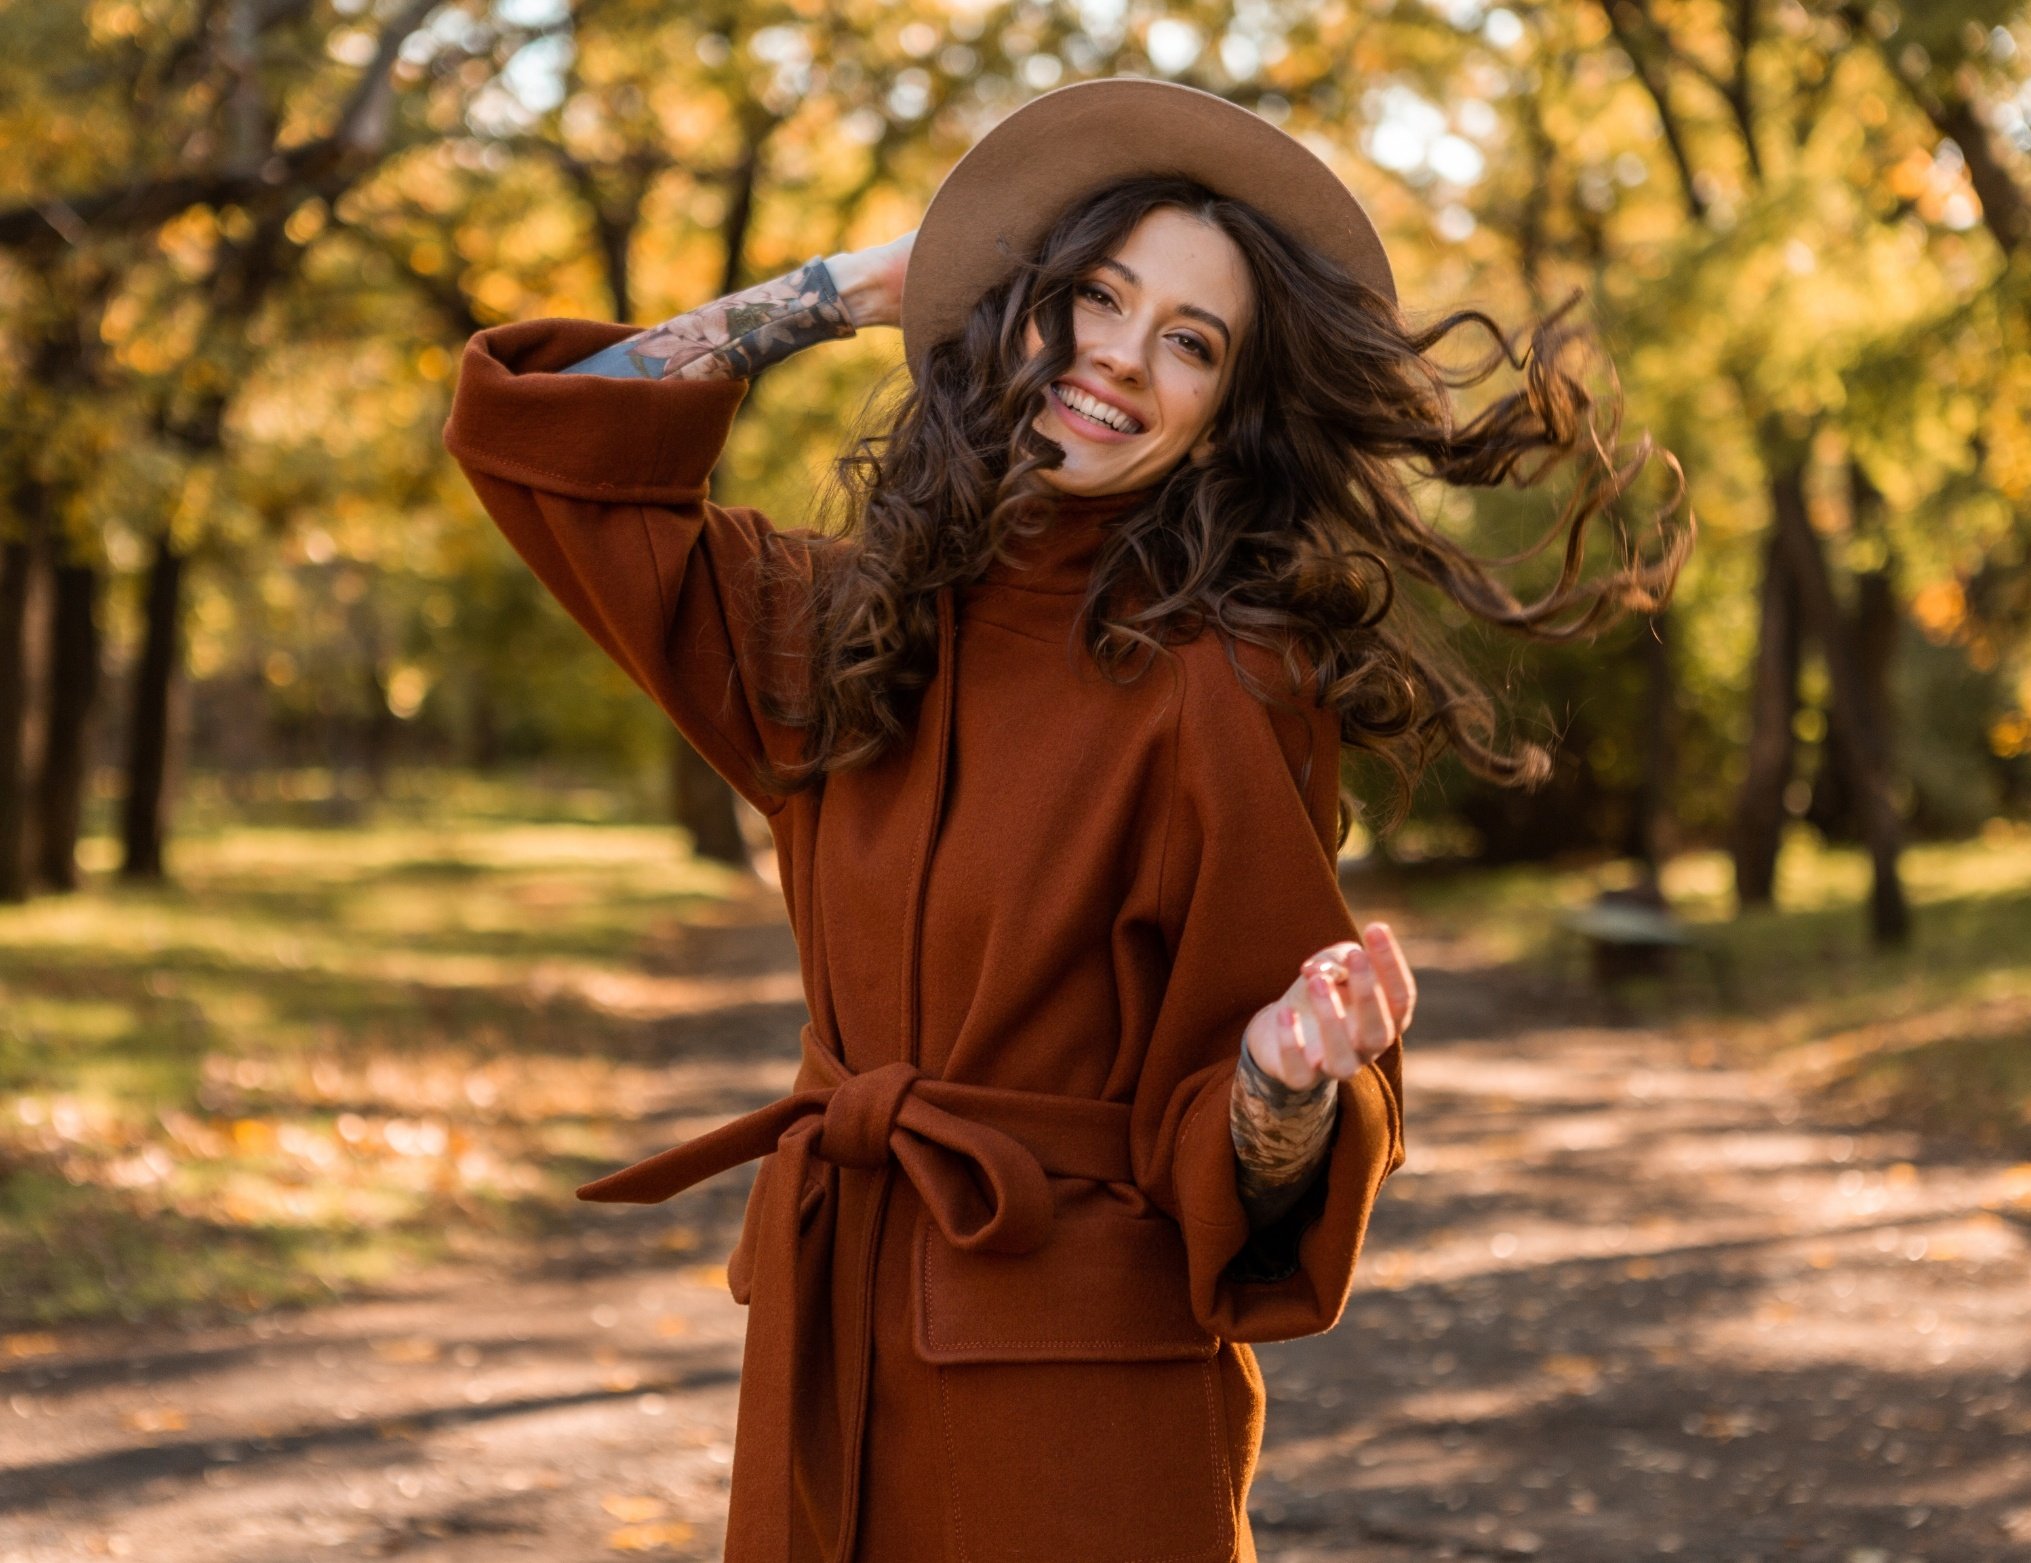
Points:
(1193, 310)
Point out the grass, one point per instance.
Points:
(1936, 1035)
(321, 1056)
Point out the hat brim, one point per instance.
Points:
(1019, 178)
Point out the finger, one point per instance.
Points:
(1331, 955)
(1311, 1041)
(1374, 1023)
(1336, 1032)
(1295, 1069)
(1392, 970)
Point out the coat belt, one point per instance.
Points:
(978, 1156)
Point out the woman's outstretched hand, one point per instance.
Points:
(1349, 1003)
(871, 281)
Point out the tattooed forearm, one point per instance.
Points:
(1280, 1137)
(736, 337)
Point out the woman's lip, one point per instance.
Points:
(1079, 423)
(1101, 397)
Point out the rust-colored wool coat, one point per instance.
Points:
(1000, 1282)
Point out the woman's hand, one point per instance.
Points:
(871, 281)
(1349, 1003)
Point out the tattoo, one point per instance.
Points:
(1280, 1137)
(736, 337)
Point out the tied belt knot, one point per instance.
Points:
(978, 1157)
(861, 1115)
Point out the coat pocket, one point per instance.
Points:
(1079, 1400)
(1106, 1287)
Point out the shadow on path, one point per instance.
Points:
(1615, 1306)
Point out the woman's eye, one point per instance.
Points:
(1087, 290)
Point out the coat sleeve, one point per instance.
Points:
(600, 484)
(1249, 888)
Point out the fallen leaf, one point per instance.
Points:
(156, 1419)
(649, 1538)
(1573, 1369)
(634, 1510)
(253, 1136)
(416, 1348)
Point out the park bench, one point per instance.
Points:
(1631, 934)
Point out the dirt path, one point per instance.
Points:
(1615, 1306)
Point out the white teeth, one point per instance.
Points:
(1095, 409)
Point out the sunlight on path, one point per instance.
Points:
(1616, 1305)
(1620, 1306)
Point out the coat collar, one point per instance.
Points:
(1060, 559)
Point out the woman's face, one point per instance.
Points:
(1155, 327)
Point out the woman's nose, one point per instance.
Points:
(1120, 359)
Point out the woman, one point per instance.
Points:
(1101, 1079)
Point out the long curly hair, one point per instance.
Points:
(1292, 535)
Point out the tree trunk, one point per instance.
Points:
(483, 731)
(1835, 811)
(144, 821)
(704, 806)
(1759, 810)
(16, 560)
(1650, 823)
(73, 690)
(2006, 208)
(1853, 723)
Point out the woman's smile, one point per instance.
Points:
(1082, 413)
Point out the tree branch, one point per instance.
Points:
(1658, 85)
(2006, 208)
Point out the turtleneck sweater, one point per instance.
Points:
(1060, 559)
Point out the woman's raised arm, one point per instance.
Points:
(600, 480)
(736, 337)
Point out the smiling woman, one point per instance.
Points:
(1158, 322)
(1101, 1080)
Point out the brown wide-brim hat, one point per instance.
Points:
(1003, 196)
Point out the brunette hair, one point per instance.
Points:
(1292, 535)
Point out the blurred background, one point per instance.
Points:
(355, 908)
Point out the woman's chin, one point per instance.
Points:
(1084, 480)
(1089, 471)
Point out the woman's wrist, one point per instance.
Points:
(861, 289)
(1280, 1135)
